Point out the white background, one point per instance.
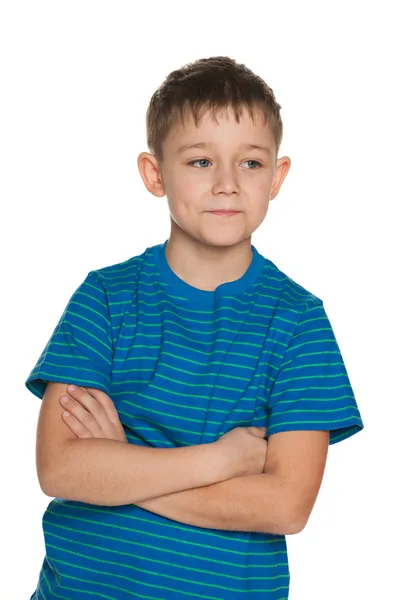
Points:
(76, 79)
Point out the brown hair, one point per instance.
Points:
(210, 83)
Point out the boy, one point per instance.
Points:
(163, 487)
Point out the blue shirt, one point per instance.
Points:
(183, 366)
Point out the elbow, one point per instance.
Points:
(46, 483)
(53, 488)
(282, 524)
(295, 523)
(52, 471)
(290, 511)
(46, 487)
(291, 522)
(48, 477)
(293, 527)
(297, 512)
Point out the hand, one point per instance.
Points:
(246, 450)
(92, 414)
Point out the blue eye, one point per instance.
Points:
(198, 160)
(253, 161)
(192, 162)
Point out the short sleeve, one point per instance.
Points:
(312, 390)
(80, 348)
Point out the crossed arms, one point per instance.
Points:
(102, 471)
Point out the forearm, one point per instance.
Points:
(111, 473)
(258, 503)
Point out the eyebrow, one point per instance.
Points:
(209, 144)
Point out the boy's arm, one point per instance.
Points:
(246, 503)
(108, 472)
(278, 501)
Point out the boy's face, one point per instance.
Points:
(225, 176)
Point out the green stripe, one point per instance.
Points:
(173, 577)
(168, 562)
(152, 585)
(242, 539)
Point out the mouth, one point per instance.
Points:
(225, 213)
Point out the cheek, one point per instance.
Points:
(187, 196)
(183, 206)
(257, 211)
(189, 186)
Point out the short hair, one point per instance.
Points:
(211, 84)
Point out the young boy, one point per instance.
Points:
(163, 487)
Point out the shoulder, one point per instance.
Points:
(286, 294)
(124, 269)
(123, 276)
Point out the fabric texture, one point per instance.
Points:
(183, 366)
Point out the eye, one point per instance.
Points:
(192, 162)
(253, 161)
(198, 160)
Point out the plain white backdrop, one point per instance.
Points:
(76, 79)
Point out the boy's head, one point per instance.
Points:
(221, 103)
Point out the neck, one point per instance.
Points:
(206, 267)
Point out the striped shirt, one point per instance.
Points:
(184, 366)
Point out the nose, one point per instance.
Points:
(225, 181)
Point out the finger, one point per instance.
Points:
(94, 402)
(111, 426)
(86, 399)
(258, 431)
(82, 416)
(75, 426)
(107, 404)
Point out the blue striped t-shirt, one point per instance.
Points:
(184, 366)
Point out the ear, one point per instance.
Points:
(150, 172)
(281, 170)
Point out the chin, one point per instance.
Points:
(219, 240)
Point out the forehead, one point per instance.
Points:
(219, 127)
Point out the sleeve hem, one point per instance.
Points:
(37, 385)
(337, 433)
